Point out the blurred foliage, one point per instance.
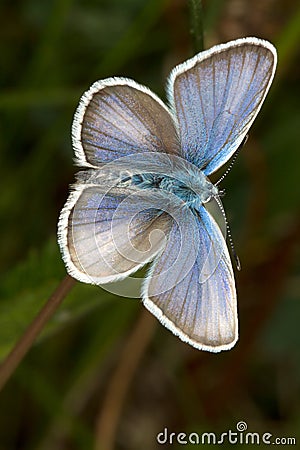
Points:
(51, 51)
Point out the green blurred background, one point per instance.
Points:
(103, 375)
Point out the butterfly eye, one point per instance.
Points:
(207, 198)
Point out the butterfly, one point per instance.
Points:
(144, 192)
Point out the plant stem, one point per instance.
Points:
(26, 341)
(196, 25)
(121, 381)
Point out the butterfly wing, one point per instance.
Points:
(109, 230)
(201, 310)
(118, 117)
(106, 233)
(216, 96)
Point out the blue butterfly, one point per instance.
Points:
(145, 193)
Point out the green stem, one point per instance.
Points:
(196, 24)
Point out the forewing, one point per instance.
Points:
(117, 117)
(202, 313)
(106, 234)
(216, 96)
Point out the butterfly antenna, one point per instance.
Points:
(233, 159)
(233, 252)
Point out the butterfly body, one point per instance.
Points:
(144, 193)
(193, 188)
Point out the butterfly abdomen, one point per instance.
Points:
(192, 189)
